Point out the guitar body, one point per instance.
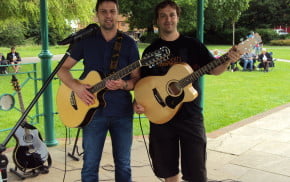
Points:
(73, 112)
(159, 95)
(30, 152)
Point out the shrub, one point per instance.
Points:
(267, 35)
(148, 38)
(226, 36)
(285, 42)
(12, 34)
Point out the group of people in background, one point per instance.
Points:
(13, 58)
(248, 60)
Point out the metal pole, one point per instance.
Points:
(200, 33)
(45, 57)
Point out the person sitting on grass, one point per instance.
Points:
(248, 59)
(14, 59)
(266, 59)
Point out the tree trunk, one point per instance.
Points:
(150, 29)
(234, 33)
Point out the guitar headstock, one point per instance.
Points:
(15, 83)
(152, 58)
(247, 45)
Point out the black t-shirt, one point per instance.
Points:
(184, 49)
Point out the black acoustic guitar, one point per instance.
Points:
(31, 152)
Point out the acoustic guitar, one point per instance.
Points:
(73, 112)
(162, 96)
(30, 152)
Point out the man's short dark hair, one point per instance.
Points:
(165, 3)
(101, 1)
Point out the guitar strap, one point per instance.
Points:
(116, 52)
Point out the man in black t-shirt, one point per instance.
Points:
(184, 135)
(14, 59)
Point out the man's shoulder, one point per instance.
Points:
(189, 39)
(156, 43)
(127, 37)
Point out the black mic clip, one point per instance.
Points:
(79, 35)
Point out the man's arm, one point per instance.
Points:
(18, 56)
(232, 56)
(135, 76)
(80, 89)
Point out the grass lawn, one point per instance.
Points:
(229, 98)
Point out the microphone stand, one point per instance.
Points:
(81, 34)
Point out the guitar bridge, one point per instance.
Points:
(73, 102)
(158, 97)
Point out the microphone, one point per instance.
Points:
(79, 35)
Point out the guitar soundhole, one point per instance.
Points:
(28, 138)
(173, 88)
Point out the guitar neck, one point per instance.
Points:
(203, 70)
(243, 47)
(115, 76)
(21, 104)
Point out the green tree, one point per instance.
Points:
(221, 14)
(27, 12)
(141, 14)
(266, 14)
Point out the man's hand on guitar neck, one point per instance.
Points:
(233, 55)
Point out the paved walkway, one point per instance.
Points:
(256, 149)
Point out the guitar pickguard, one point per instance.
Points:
(172, 102)
(158, 97)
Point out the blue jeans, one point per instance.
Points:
(94, 135)
(246, 62)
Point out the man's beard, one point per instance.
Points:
(167, 32)
(108, 27)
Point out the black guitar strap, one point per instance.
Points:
(116, 52)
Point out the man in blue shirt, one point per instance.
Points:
(116, 116)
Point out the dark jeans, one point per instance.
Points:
(94, 135)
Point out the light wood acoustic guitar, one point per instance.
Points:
(162, 96)
(74, 113)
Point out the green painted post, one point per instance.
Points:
(45, 57)
(200, 31)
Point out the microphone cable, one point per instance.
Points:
(146, 147)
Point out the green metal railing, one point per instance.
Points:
(30, 76)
